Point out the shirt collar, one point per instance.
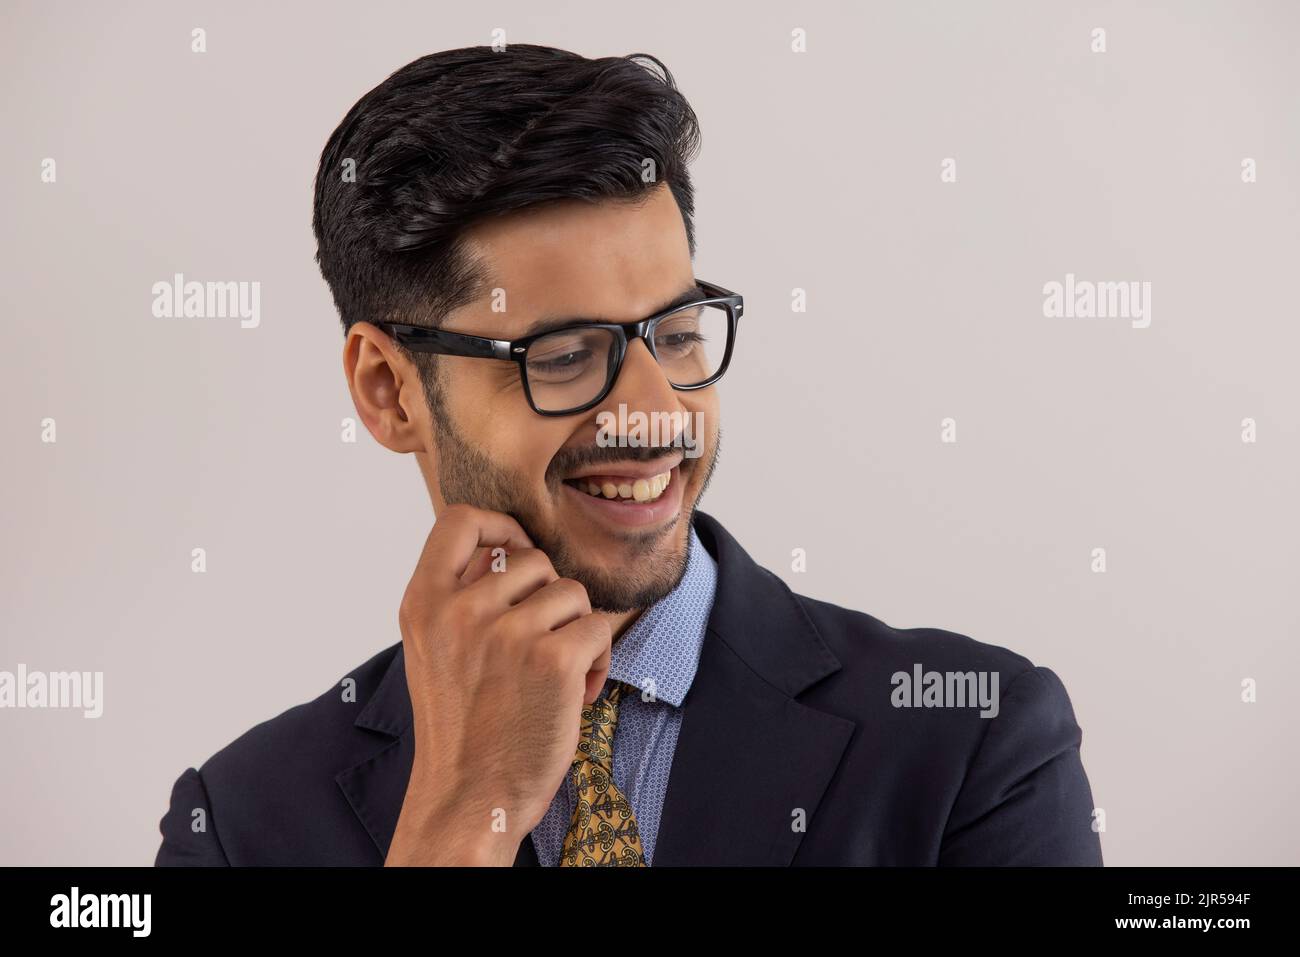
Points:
(663, 645)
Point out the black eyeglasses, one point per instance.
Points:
(572, 369)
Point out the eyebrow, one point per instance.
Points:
(550, 323)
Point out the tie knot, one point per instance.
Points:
(599, 721)
(612, 696)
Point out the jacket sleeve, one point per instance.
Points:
(189, 839)
(1025, 800)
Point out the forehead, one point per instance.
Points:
(614, 260)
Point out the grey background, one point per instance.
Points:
(819, 171)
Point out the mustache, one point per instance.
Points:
(568, 460)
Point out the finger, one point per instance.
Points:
(596, 677)
(458, 532)
(478, 565)
(553, 605)
(591, 641)
(522, 573)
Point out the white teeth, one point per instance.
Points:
(639, 490)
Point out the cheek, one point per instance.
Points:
(705, 412)
(533, 451)
(494, 416)
(521, 448)
(528, 444)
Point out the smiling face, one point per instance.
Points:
(610, 262)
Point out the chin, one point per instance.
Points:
(617, 594)
(633, 571)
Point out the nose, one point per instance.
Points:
(642, 384)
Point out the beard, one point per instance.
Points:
(467, 476)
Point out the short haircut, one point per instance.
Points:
(458, 136)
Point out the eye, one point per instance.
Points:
(679, 335)
(678, 338)
(560, 361)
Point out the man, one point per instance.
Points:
(591, 671)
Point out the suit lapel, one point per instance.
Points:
(376, 787)
(749, 757)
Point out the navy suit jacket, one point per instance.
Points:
(791, 752)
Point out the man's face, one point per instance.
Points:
(611, 262)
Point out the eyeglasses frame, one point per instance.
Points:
(443, 342)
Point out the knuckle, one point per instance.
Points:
(460, 510)
(457, 514)
(413, 608)
(514, 628)
(572, 590)
(598, 626)
(460, 514)
(532, 560)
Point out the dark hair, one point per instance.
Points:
(461, 135)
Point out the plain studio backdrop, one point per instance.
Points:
(823, 170)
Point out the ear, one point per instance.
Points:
(386, 390)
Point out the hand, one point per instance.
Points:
(498, 665)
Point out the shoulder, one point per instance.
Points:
(866, 645)
(952, 725)
(969, 747)
(303, 738)
(271, 794)
(931, 689)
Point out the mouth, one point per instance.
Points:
(623, 488)
(629, 497)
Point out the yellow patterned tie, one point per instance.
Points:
(603, 832)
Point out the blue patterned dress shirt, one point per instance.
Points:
(662, 646)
